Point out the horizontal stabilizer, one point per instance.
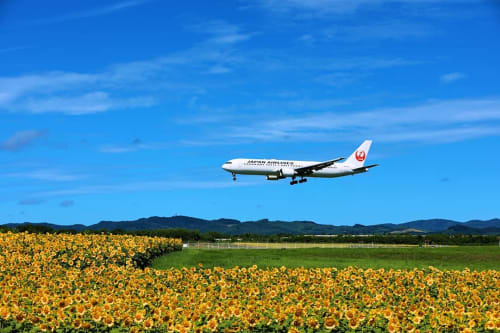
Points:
(364, 168)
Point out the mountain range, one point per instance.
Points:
(266, 227)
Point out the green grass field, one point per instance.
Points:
(473, 257)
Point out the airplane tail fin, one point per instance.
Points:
(357, 159)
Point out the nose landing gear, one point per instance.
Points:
(234, 177)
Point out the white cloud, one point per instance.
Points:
(433, 135)
(49, 82)
(88, 103)
(135, 145)
(308, 8)
(339, 79)
(13, 48)
(452, 77)
(317, 6)
(210, 115)
(92, 12)
(307, 38)
(76, 93)
(30, 201)
(47, 175)
(392, 30)
(441, 121)
(189, 72)
(367, 63)
(222, 32)
(160, 185)
(217, 69)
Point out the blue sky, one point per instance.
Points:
(113, 110)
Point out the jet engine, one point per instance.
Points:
(287, 172)
(282, 174)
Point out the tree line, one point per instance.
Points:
(211, 236)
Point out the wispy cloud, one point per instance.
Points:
(160, 185)
(307, 38)
(30, 201)
(47, 175)
(218, 69)
(73, 93)
(135, 145)
(392, 30)
(13, 89)
(319, 7)
(438, 121)
(21, 139)
(105, 10)
(222, 32)
(13, 48)
(77, 93)
(309, 8)
(452, 77)
(339, 79)
(368, 63)
(185, 73)
(93, 102)
(228, 114)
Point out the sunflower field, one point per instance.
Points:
(67, 283)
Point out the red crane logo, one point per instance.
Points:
(360, 155)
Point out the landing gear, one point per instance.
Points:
(302, 180)
(234, 177)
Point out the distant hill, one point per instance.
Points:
(226, 226)
(478, 224)
(466, 230)
(433, 225)
(76, 227)
(266, 227)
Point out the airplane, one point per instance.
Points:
(281, 169)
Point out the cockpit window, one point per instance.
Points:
(229, 162)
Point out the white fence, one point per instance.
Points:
(240, 245)
(221, 246)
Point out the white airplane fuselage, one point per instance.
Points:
(280, 169)
(264, 167)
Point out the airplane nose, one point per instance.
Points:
(224, 166)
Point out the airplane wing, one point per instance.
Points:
(318, 166)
